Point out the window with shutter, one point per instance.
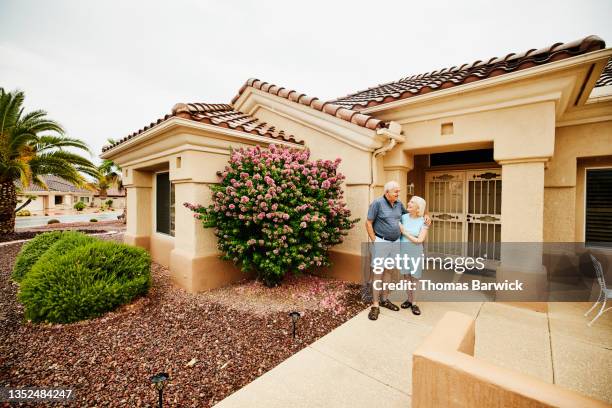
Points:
(598, 220)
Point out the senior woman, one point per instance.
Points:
(414, 231)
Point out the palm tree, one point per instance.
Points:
(109, 175)
(32, 145)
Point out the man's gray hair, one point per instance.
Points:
(391, 185)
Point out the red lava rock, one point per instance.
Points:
(236, 334)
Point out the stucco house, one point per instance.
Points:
(60, 194)
(509, 149)
(115, 194)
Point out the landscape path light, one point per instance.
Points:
(294, 318)
(159, 380)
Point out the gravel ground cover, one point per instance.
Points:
(212, 344)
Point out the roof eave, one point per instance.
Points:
(175, 122)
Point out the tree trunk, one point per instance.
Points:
(8, 202)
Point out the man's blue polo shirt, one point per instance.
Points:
(386, 218)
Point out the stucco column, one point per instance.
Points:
(194, 261)
(522, 201)
(139, 206)
(522, 231)
(397, 164)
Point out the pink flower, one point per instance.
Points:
(244, 199)
(326, 184)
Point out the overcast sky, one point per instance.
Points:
(107, 68)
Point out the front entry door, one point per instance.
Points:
(465, 207)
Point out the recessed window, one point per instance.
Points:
(178, 162)
(164, 196)
(59, 200)
(84, 200)
(598, 219)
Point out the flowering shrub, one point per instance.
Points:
(274, 211)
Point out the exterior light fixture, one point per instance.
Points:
(294, 318)
(159, 380)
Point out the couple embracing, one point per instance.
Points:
(396, 230)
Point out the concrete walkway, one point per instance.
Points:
(359, 364)
(366, 364)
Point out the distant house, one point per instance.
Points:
(117, 195)
(59, 195)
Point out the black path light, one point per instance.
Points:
(294, 318)
(159, 380)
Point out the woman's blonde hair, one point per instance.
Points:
(420, 203)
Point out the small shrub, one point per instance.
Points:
(32, 251)
(79, 206)
(23, 213)
(109, 203)
(85, 282)
(93, 220)
(53, 221)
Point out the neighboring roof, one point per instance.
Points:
(54, 183)
(605, 78)
(466, 73)
(338, 111)
(217, 114)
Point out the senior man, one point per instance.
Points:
(382, 225)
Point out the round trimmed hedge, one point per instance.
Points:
(85, 282)
(31, 251)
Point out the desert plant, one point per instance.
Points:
(32, 251)
(53, 221)
(275, 211)
(23, 213)
(79, 206)
(109, 203)
(85, 282)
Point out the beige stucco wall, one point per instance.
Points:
(118, 202)
(576, 147)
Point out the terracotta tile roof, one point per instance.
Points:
(605, 78)
(338, 111)
(54, 183)
(466, 73)
(217, 114)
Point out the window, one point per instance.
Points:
(164, 197)
(59, 199)
(598, 211)
(84, 200)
